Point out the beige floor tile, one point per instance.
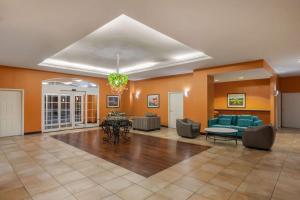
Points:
(91, 170)
(116, 184)
(134, 177)
(58, 193)
(58, 168)
(120, 171)
(134, 192)
(288, 187)
(169, 175)
(154, 184)
(202, 175)
(214, 192)
(81, 165)
(175, 192)
(189, 183)
(69, 177)
(198, 197)
(5, 167)
(93, 193)
(103, 177)
(240, 196)
(157, 197)
(9, 181)
(35, 186)
(80, 185)
(112, 197)
(259, 190)
(15, 194)
(227, 182)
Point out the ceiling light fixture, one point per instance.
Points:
(137, 67)
(74, 66)
(78, 80)
(241, 77)
(117, 81)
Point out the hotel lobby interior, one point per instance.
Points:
(156, 100)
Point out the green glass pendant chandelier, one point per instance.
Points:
(118, 81)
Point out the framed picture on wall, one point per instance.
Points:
(153, 101)
(112, 101)
(236, 100)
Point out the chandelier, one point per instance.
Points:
(118, 81)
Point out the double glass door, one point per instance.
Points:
(66, 111)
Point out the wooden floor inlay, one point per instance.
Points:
(144, 155)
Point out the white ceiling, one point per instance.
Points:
(133, 45)
(229, 31)
(242, 75)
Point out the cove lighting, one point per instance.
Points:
(137, 67)
(74, 66)
(68, 83)
(190, 56)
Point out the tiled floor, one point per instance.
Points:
(40, 167)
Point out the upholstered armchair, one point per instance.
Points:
(187, 128)
(261, 137)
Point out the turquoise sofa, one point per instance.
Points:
(238, 122)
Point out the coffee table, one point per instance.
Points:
(226, 134)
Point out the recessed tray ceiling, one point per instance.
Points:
(140, 48)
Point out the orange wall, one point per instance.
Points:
(31, 82)
(289, 84)
(160, 86)
(257, 94)
(198, 105)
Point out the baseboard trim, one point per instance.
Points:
(165, 126)
(33, 132)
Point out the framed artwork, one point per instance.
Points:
(153, 101)
(112, 101)
(236, 100)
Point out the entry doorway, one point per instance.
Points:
(11, 112)
(69, 104)
(175, 108)
(290, 110)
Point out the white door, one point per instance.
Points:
(10, 113)
(290, 110)
(175, 108)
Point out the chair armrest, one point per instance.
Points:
(212, 122)
(258, 123)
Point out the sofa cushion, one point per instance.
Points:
(244, 122)
(232, 117)
(249, 117)
(225, 121)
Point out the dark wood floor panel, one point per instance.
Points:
(144, 155)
